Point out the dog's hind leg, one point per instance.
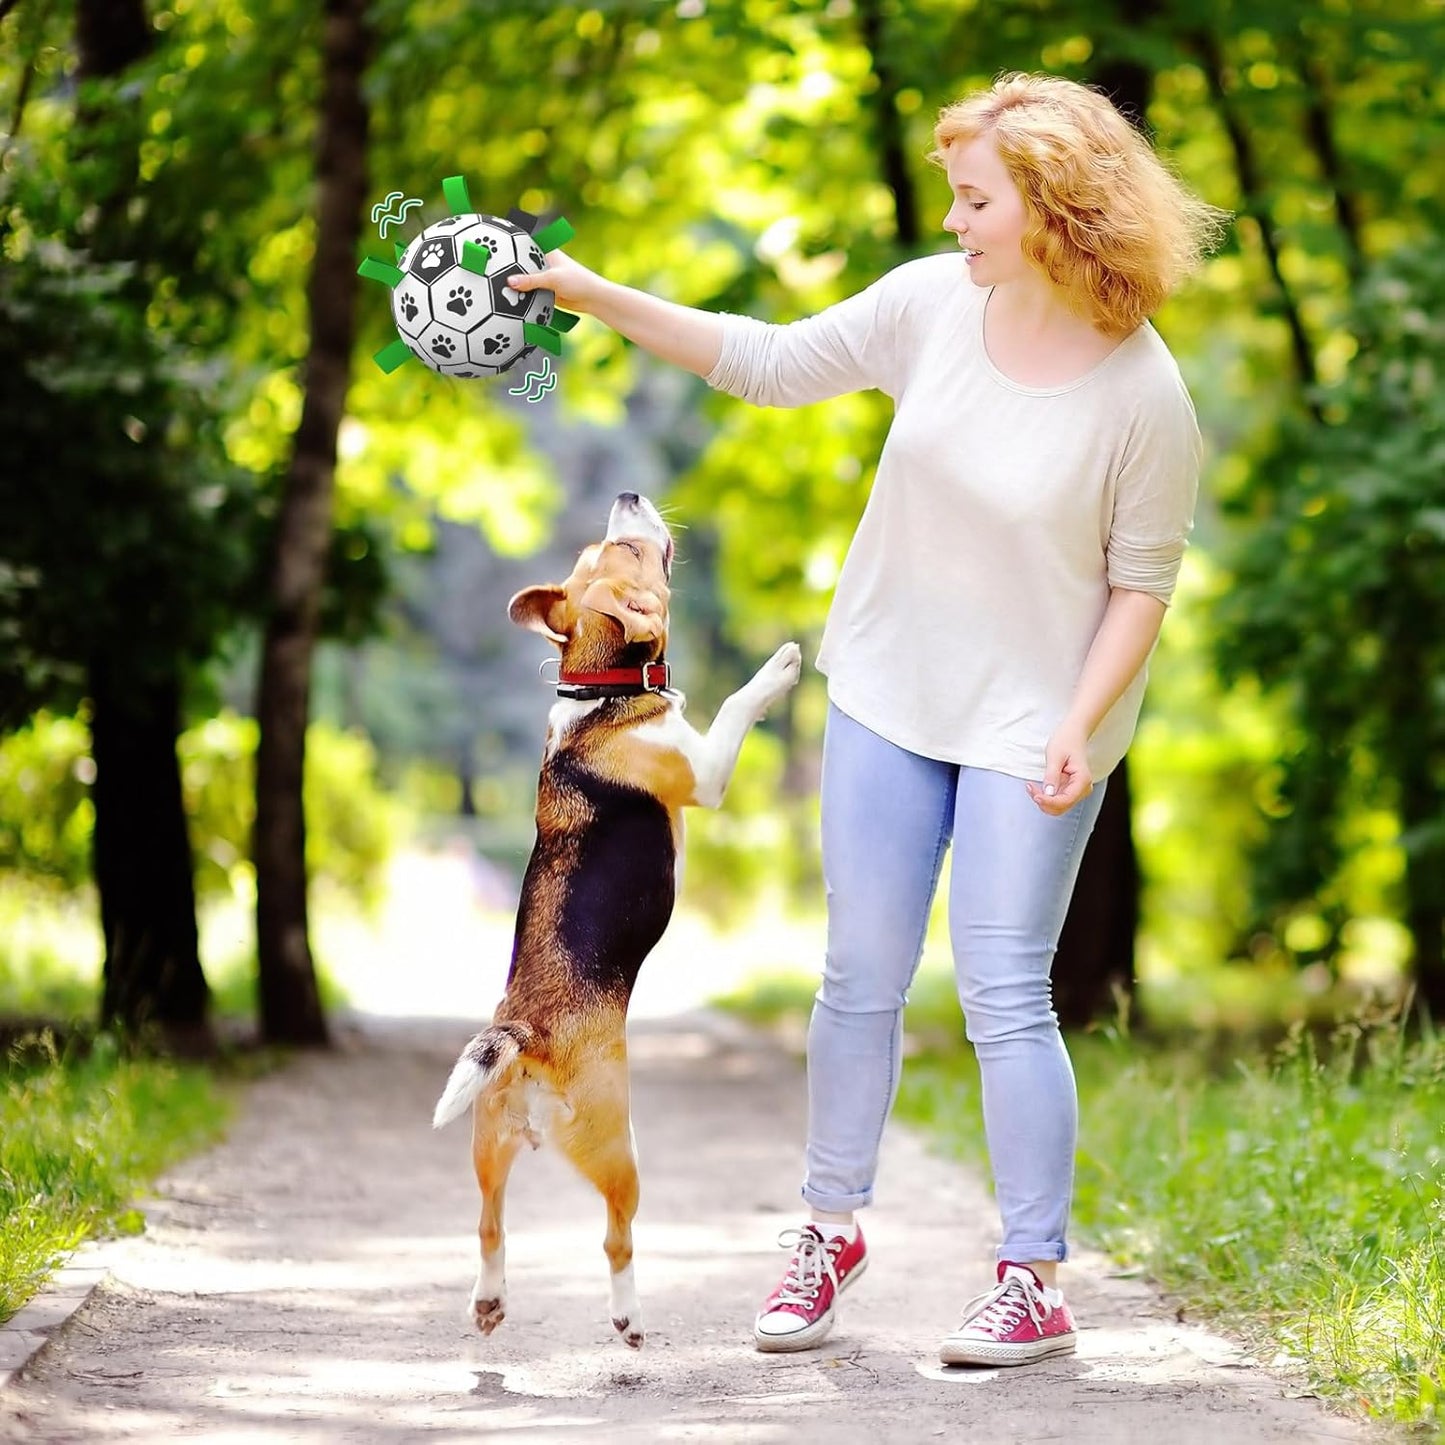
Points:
(598, 1141)
(492, 1156)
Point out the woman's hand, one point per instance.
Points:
(576, 288)
(1067, 779)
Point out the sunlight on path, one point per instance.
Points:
(441, 944)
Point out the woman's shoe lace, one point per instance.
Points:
(998, 1310)
(811, 1264)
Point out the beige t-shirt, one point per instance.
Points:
(999, 518)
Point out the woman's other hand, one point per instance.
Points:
(1067, 779)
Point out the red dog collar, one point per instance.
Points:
(614, 682)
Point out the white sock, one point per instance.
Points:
(833, 1229)
(1053, 1297)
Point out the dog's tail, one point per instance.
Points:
(485, 1058)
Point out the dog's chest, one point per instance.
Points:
(604, 866)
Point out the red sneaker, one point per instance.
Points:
(799, 1313)
(1014, 1323)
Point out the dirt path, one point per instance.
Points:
(305, 1281)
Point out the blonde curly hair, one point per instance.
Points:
(1111, 225)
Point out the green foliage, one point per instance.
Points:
(80, 1138)
(350, 824)
(45, 810)
(134, 530)
(120, 537)
(50, 952)
(1336, 598)
(749, 851)
(1199, 755)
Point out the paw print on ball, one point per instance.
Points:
(495, 344)
(505, 301)
(444, 346)
(411, 307)
(459, 300)
(434, 257)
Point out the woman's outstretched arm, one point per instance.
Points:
(682, 335)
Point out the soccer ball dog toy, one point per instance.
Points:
(449, 298)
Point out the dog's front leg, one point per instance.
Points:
(714, 755)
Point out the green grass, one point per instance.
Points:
(85, 1127)
(80, 1139)
(1295, 1194)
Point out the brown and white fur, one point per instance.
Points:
(598, 893)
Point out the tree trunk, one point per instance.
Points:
(1425, 912)
(1413, 745)
(466, 781)
(290, 1002)
(143, 867)
(888, 125)
(110, 35)
(1095, 959)
(144, 874)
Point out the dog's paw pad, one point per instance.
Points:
(488, 1314)
(631, 1333)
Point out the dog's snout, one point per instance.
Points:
(634, 516)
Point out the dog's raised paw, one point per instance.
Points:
(488, 1314)
(787, 661)
(778, 674)
(631, 1333)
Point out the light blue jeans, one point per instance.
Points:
(888, 818)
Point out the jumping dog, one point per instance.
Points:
(619, 766)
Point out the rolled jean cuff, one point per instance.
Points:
(836, 1203)
(1027, 1253)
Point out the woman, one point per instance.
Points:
(986, 647)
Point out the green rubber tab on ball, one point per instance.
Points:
(542, 336)
(564, 320)
(400, 251)
(555, 233)
(392, 355)
(458, 198)
(375, 270)
(475, 258)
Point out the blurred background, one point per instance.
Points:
(227, 537)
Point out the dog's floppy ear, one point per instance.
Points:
(640, 612)
(541, 609)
